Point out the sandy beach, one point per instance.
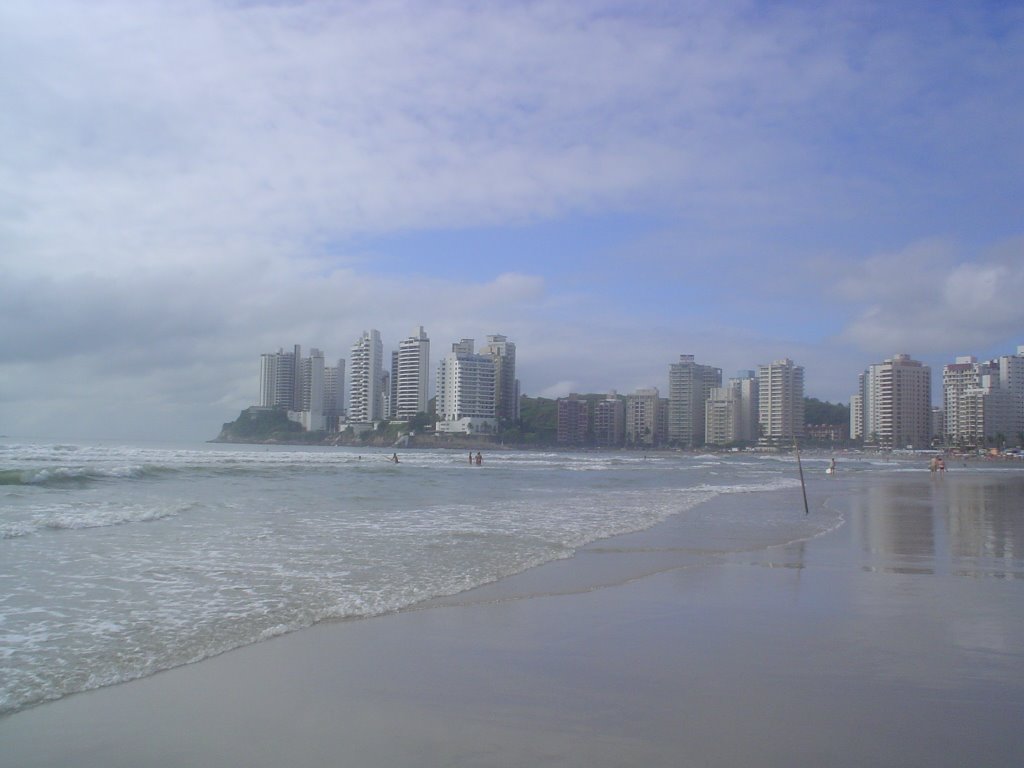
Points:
(896, 639)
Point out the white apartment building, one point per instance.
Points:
(366, 398)
(895, 404)
(957, 378)
(689, 386)
(781, 401)
(984, 401)
(409, 375)
(465, 391)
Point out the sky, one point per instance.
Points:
(187, 184)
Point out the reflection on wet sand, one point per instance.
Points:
(960, 523)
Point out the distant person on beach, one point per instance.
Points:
(394, 458)
(933, 464)
(832, 466)
(479, 459)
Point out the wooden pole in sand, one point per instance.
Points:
(800, 466)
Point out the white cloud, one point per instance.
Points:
(929, 298)
(181, 185)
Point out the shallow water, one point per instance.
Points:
(120, 561)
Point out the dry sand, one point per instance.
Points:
(895, 640)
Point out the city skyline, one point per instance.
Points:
(981, 402)
(610, 186)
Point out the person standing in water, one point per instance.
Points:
(394, 458)
(479, 459)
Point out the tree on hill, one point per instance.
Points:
(819, 412)
(260, 424)
(538, 421)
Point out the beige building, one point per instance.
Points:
(646, 418)
(731, 411)
(895, 404)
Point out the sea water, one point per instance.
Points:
(118, 561)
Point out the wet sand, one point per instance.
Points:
(895, 640)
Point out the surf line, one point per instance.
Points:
(800, 467)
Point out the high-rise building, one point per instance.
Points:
(610, 421)
(301, 385)
(334, 394)
(366, 400)
(857, 414)
(721, 416)
(895, 404)
(409, 375)
(279, 379)
(393, 387)
(573, 420)
(747, 388)
(506, 397)
(689, 386)
(646, 417)
(731, 411)
(958, 377)
(781, 401)
(1011, 378)
(311, 391)
(938, 424)
(465, 391)
(982, 400)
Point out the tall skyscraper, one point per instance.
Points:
(409, 375)
(393, 387)
(466, 390)
(781, 401)
(280, 379)
(366, 401)
(747, 389)
(506, 384)
(301, 385)
(689, 387)
(311, 389)
(334, 393)
(894, 405)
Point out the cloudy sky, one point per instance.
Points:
(187, 184)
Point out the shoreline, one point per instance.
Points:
(635, 650)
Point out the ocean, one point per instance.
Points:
(119, 561)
